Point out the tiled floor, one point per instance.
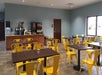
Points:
(8, 68)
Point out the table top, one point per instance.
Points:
(32, 55)
(80, 47)
(98, 44)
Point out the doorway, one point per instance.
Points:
(57, 29)
(2, 31)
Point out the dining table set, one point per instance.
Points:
(81, 47)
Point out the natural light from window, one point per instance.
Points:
(99, 26)
(91, 25)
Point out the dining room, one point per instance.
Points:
(51, 40)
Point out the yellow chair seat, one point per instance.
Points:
(71, 53)
(49, 70)
(29, 46)
(25, 73)
(88, 61)
(19, 64)
(55, 48)
(53, 69)
(30, 70)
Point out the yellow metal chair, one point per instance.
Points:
(70, 53)
(90, 62)
(28, 46)
(65, 42)
(101, 38)
(89, 51)
(63, 39)
(37, 45)
(54, 45)
(17, 40)
(17, 47)
(89, 39)
(76, 40)
(29, 69)
(54, 69)
(50, 38)
(95, 38)
(29, 41)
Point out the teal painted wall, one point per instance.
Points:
(1, 16)
(15, 13)
(79, 17)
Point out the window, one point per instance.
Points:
(94, 26)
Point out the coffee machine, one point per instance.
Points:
(19, 30)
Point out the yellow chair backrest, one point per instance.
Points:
(85, 43)
(101, 38)
(89, 39)
(17, 47)
(77, 41)
(37, 45)
(30, 68)
(17, 40)
(28, 46)
(95, 38)
(68, 49)
(29, 39)
(55, 64)
(96, 54)
(56, 41)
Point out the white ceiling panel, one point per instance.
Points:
(60, 4)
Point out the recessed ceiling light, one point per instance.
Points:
(23, 0)
(70, 5)
(51, 4)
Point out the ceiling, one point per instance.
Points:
(60, 4)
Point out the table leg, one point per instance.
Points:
(77, 67)
(24, 66)
(82, 40)
(98, 62)
(45, 65)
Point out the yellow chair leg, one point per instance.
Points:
(90, 70)
(69, 59)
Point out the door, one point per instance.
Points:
(2, 32)
(57, 29)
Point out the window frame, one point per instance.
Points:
(96, 25)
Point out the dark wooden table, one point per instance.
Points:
(33, 55)
(79, 47)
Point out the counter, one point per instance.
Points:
(10, 38)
